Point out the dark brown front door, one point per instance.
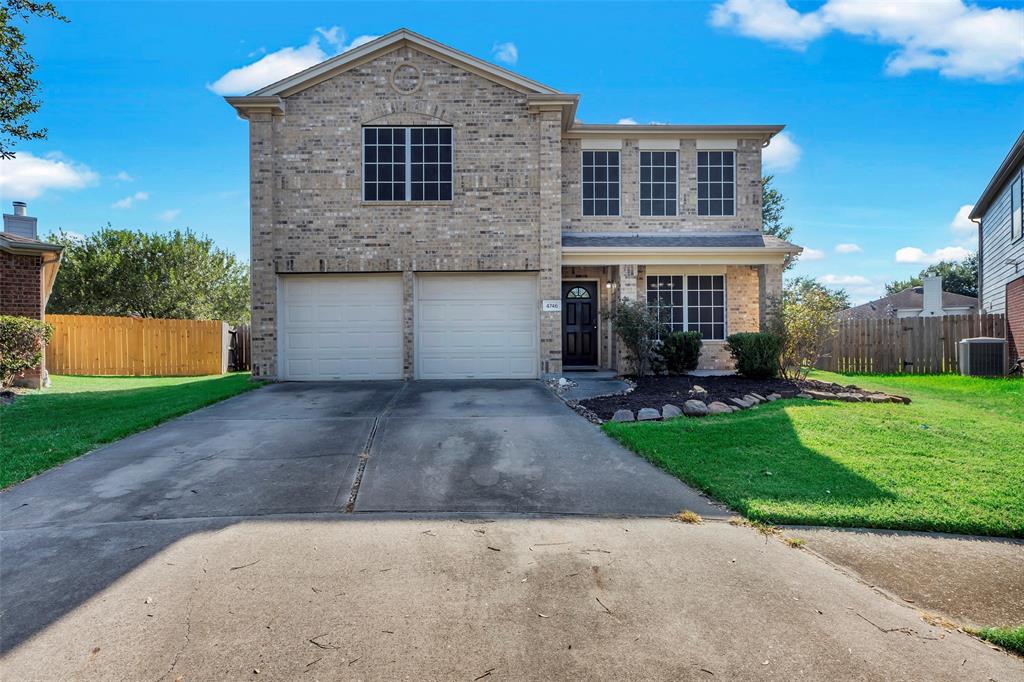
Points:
(579, 320)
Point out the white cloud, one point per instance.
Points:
(848, 248)
(169, 215)
(26, 176)
(782, 153)
(285, 62)
(122, 176)
(962, 224)
(506, 52)
(626, 122)
(859, 287)
(772, 20)
(811, 254)
(956, 39)
(127, 202)
(912, 254)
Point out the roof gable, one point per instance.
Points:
(392, 41)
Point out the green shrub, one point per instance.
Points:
(681, 351)
(637, 329)
(22, 341)
(756, 353)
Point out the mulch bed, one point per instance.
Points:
(657, 391)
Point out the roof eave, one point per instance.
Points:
(696, 130)
(254, 104)
(1013, 159)
(28, 248)
(349, 59)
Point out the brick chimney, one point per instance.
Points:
(20, 223)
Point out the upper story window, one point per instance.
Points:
(658, 183)
(716, 183)
(407, 164)
(600, 183)
(1016, 208)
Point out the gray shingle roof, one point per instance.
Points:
(911, 298)
(677, 240)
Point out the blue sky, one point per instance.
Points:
(896, 115)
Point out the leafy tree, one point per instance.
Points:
(637, 328)
(773, 205)
(17, 87)
(805, 319)
(958, 277)
(174, 275)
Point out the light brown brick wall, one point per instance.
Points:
(307, 209)
(748, 193)
(21, 295)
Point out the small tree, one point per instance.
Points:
(22, 341)
(637, 329)
(805, 318)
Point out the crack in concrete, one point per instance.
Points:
(364, 456)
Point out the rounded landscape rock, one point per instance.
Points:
(668, 411)
(695, 408)
(719, 408)
(623, 416)
(648, 414)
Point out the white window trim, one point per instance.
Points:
(1017, 207)
(601, 145)
(735, 199)
(714, 145)
(408, 167)
(639, 201)
(694, 272)
(618, 197)
(649, 144)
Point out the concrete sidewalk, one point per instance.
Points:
(516, 598)
(972, 580)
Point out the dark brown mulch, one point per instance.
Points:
(657, 391)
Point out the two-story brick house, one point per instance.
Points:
(999, 212)
(420, 213)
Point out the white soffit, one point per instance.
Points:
(597, 143)
(716, 143)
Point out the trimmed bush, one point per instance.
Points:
(22, 341)
(756, 353)
(681, 351)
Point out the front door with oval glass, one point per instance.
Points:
(579, 322)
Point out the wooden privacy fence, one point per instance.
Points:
(241, 348)
(911, 345)
(129, 346)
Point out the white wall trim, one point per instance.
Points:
(716, 143)
(598, 144)
(654, 143)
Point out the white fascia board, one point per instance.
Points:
(658, 143)
(583, 255)
(717, 143)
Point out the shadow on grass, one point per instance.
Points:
(752, 457)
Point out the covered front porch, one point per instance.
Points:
(716, 285)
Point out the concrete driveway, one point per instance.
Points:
(217, 546)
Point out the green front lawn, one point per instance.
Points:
(951, 461)
(45, 428)
(1008, 638)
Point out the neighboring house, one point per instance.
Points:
(1000, 211)
(928, 300)
(28, 267)
(420, 213)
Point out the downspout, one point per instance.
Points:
(981, 303)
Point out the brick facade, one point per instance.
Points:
(516, 188)
(21, 294)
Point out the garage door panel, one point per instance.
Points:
(476, 326)
(341, 327)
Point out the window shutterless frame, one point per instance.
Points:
(423, 141)
(1017, 207)
(605, 182)
(687, 302)
(716, 183)
(665, 184)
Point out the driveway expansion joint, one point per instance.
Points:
(364, 456)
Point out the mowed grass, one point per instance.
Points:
(1011, 639)
(951, 461)
(42, 429)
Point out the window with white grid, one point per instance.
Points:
(716, 183)
(705, 305)
(658, 183)
(407, 164)
(666, 299)
(600, 183)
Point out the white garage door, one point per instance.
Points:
(476, 326)
(341, 327)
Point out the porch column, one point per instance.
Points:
(627, 289)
